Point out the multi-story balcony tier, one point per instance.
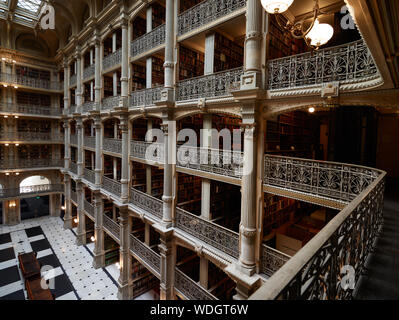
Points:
(30, 191)
(148, 43)
(17, 109)
(30, 83)
(31, 137)
(19, 164)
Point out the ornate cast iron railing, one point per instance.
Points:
(272, 260)
(74, 139)
(315, 272)
(112, 186)
(31, 190)
(146, 202)
(74, 197)
(73, 80)
(32, 136)
(342, 182)
(89, 208)
(30, 109)
(210, 86)
(112, 60)
(89, 175)
(146, 97)
(89, 142)
(26, 81)
(217, 236)
(73, 109)
(111, 226)
(206, 12)
(74, 167)
(88, 106)
(18, 163)
(112, 145)
(89, 71)
(221, 162)
(110, 103)
(148, 41)
(189, 288)
(138, 149)
(146, 254)
(349, 63)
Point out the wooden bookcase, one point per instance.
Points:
(111, 249)
(138, 77)
(139, 27)
(33, 99)
(187, 4)
(189, 193)
(158, 14)
(158, 74)
(191, 63)
(228, 54)
(32, 73)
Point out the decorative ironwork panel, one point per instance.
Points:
(145, 253)
(73, 109)
(74, 167)
(146, 202)
(210, 86)
(112, 145)
(89, 175)
(89, 208)
(74, 139)
(89, 142)
(149, 151)
(112, 186)
(272, 260)
(191, 289)
(148, 41)
(348, 63)
(111, 226)
(30, 109)
(31, 82)
(18, 163)
(206, 12)
(327, 179)
(74, 197)
(146, 97)
(222, 162)
(31, 190)
(348, 242)
(217, 236)
(89, 71)
(112, 60)
(110, 103)
(31, 136)
(88, 106)
(73, 80)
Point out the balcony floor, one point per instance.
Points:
(382, 280)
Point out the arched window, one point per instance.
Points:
(34, 181)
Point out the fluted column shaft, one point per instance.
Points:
(68, 207)
(124, 126)
(99, 158)
(125, 272)
(125, 62)
(253, 36)
(79, 127)
(169, 44)
(97, 76)
(81, 230)
(79, 89)
(67, 156)
(99, 259)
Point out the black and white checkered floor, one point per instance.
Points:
(73, 274)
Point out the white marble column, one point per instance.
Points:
(66, 88)
(167, 250)
(80, 163)
(148, 168)
(99, 155)
(169, 64)
(81, 230)
(99, 258)
(68, 206)
(125, 65)
(97, 74)
(125, 265)
(79, 82)
(67, 152)
(124, 127)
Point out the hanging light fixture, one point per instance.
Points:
(316, 35)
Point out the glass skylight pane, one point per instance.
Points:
(30, 5)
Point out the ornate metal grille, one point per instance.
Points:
(146, 202)
(112, 145)
(349, 63)
(210, 86)
(31, 82)
(191, 289)
(146, 97)
(74, 139)
(112, 60)
(221, 238)
(148, 41)
(30, 109)
(112, 186)
(89, 175)
(326, 179)
(12, 163)
(31, 136)
(272, 260)
(89, 142)
(112, 227)
(146, 254)
(74, 167)
(31, 190)
(222, 162)
(315, 271)
(138, 149)
(206, 12)
(89, 71)
(110, 103)
(88, 106)
(89, 208)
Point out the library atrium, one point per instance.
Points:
(199, 149)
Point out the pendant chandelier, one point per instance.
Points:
(315, 36)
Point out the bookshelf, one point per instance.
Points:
(139, 27)
(189, 193)
(139, 176)
(157, 72)
(187, 4)
(38, 74)
(138, 77)
(158, 14)
(33, 99)
(228, 54)
(111, 249)
(191, 63)
(157, 182)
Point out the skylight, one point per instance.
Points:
(32, 6)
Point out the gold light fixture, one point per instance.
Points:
(315, 36)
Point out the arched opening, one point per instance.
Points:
(39, 205)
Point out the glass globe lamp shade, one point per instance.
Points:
(276, 6)
(320, 34)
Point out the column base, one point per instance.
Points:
(166, 294)
(81, 239)
(125, 292)
(99, 261)
(67, 224)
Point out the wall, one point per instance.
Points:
(388, 134)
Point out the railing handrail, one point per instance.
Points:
(37, 189)
(210, 75)
(148, 33)
(195, 284)
(39, 83)
(156, 267)
(283, 277)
